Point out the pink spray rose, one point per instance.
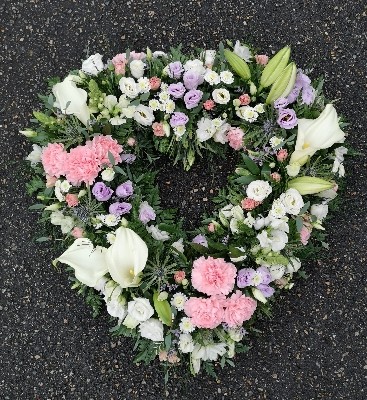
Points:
(72, 199)
(249, 204)
(119, 62)
(282, 155)
(305, 235)
(276, 176)
(209, 105)
(179, 276)
(238, 309)
(261, 59)
(205, 313)
(158, 129)
(245, 99)
(213, 276)
(154, 82)
(50, 181)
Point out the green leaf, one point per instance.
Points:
(199, 248)
(119, 170)
(251, 166)
(111, 158)
(304, 208)
(299, 224)
(265, 171)
(43, 239)
(37, 207)
(245, 180)
(168, 342)
(144, 96)
(163, 309)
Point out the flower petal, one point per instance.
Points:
(88, 262)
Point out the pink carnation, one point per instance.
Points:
(261, 59)
(235, 138)
(205, 313)
(213, 276)
(245, 99)
(119, 62)
(158, 129)
(82, 166)
(54, 158)
(72, 199)
(101, 145)
(282, 155)
(154, 83)
(249, 204)
(238, 309)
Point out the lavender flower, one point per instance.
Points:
(200, 239)
(146, 213)
(287, 118)
(308, 95)
(178, 119)
(282, 102)
(192, 79)
(192, 98)
(119, 208)
(175, 70)
(259, 279)
(176, 90)
(125, 189)
(128, 158)
(102, 192)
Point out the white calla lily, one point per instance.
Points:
(125, 259)
(87, 261)
(71, 100)
(316, 134)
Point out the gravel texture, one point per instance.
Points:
(314, 347)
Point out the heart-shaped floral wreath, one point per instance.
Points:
(186, 300)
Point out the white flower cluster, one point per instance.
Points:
(212, 128)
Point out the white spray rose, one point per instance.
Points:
(157, 234)
(258, 190)
(320, 211)
(140, 309)
(108, 174)
(35, 156)
(137, 68)
(221, 96)
(128, 87)
(186, 343)
(195, 65)
(143, 115)
(292, 201)
(152, 329)
(93, 65)
(242, 51)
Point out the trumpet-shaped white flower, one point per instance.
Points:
(125, 259)
(316, 134)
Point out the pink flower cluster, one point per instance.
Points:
(82, 163)
(213, 276)
(211, 312)
(235, 138)
(249, 204)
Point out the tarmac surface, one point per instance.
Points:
(314, 347)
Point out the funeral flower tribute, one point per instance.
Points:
(183, 298)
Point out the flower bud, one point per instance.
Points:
(28, 133)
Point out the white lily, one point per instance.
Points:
(316, 134)
(125, 259)
(71, 100)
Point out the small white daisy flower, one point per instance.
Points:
(275, 141)
(154, 104)
(111, 219)
(169, 106)
(111, 237)
(186, 325)
(143, 85)
(178, 301)
(259, 108)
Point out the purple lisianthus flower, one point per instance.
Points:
(287, 118)
(102, 192)
(175, 70)
(192, 98)
(282, 102)
(178, 119)
(265, 275)
(200, 239)
(125, 189)
(308, 95)
(266, 290)
(176, 90)
(119, 208)
(245, 277)
(292, 97)
(302, 80)
(146, 213)
(128, 158)
(192, 79)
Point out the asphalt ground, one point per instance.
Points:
(314, 347)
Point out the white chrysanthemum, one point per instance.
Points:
(111, 237)
(157, 234)
(278, 209)
(164, 87)
(186, 343)
(178, 301)
(226, 77)
(259, 108)
(292, 201)
(111, 219)
(169, 106)
(186, 325)
(211, 77)
(179, 130)
(221, 96)
(217, 122)
(64, 186)
(154, 104)
(205, 129)
(143, 85)
(258, 190)
(247, 113)
(163, 96)
(275, 141)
